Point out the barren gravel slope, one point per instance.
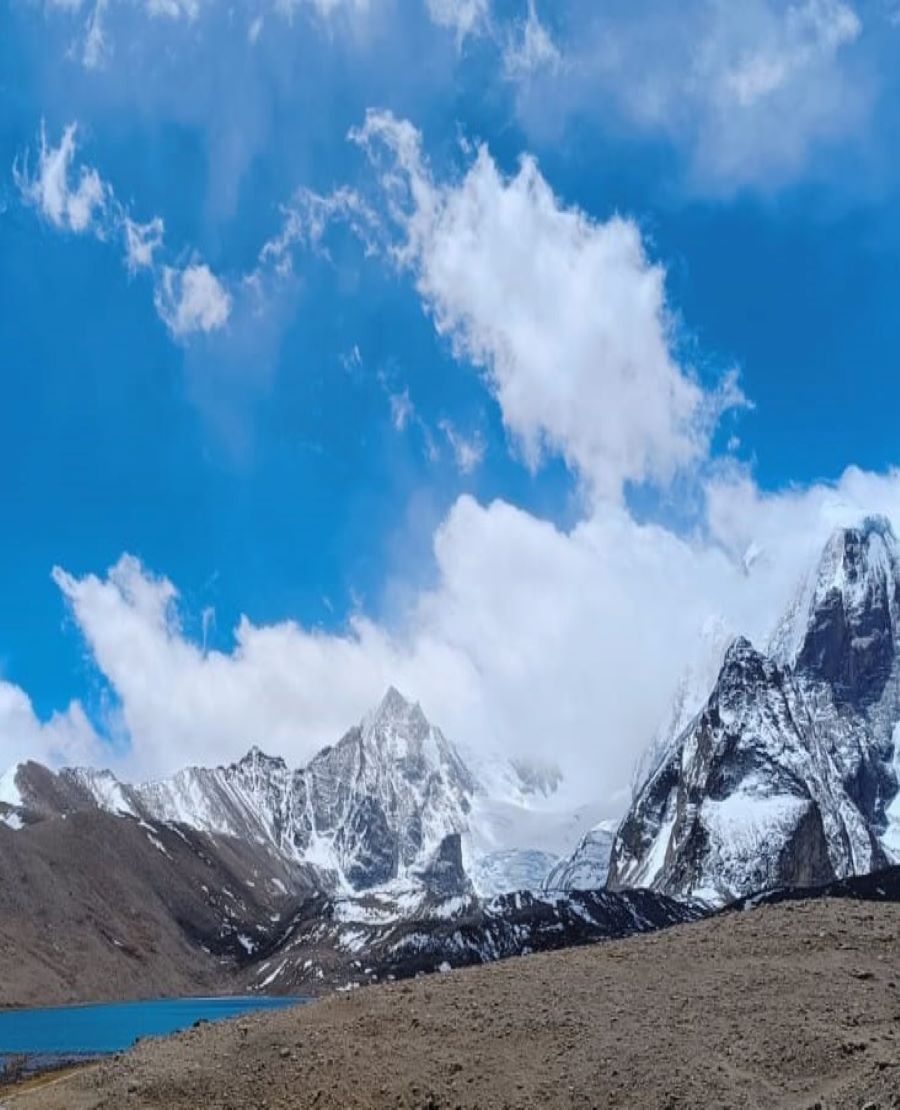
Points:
(786, 1006)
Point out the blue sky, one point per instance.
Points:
(326, 437)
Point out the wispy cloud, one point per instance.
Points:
(80, 206)
(468, 451)
(188, 297)
(748, 93)
(529, 47)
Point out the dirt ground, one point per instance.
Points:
(795, 1005)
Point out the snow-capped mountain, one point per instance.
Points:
(788, 774)
(371, 808)
(374, 809)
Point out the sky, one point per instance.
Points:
(513, 353)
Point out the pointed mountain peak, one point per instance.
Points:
(739, 649)
(844, 622)
(395, 707)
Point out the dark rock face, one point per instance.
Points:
(804, 858)
(361, 940)
(877, 886)
(850, 643)
(444, 874)
(786, 776)
(367, 845)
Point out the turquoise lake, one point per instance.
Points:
(99, 1029)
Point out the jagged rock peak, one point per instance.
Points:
(858, 567)
(256, 757)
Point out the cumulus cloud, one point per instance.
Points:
(566, 315)
(534, 641)
(66, 738)
(191, 299)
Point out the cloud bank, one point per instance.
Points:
(534, 642)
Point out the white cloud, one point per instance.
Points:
(566, 315)
(306, 218)
(811, 33)
(534, 641)
(77, 206)
(66, 738)
(188, 299)
(174, 9)
(95, 44)
(191, 299)
(402, 409)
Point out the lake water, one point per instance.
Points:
(63, 1032)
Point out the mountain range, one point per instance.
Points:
(392, 852)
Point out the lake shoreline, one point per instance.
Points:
(44, 1073)
(41, 1041)
(779, 1006)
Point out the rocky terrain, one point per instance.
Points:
(794, 1005)
(98, 907)
(357, 942)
